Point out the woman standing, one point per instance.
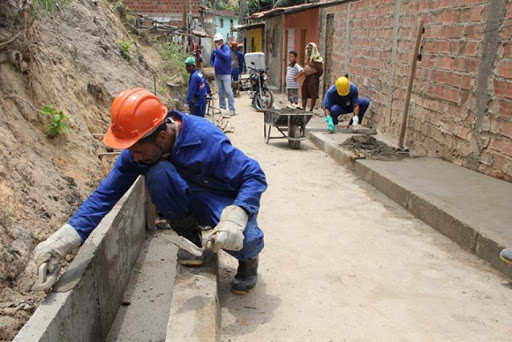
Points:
(313, 69)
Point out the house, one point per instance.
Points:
(171, 12)
(253, 34)
(213, 21)
(289, 28)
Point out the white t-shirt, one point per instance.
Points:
(291, 72)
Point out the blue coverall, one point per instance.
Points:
(235, 72)
(198, 88)
(344, 104)
(202, 175)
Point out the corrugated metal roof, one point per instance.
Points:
(297, 8)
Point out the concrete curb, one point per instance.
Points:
(482, 241)
(195, 308)
(101, 271)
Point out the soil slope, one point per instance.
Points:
(70, 61)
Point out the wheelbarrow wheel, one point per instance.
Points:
(294, 132)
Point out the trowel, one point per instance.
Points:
(45, 278)
(188, 245)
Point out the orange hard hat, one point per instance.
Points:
(134, 114)
(234, 43)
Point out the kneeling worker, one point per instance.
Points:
(198, 89)
(195, 178)
(343, 98)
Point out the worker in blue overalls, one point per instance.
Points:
(195, 178)
(343, 98)
(198, 89)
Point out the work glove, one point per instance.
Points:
(330, 124)
(56, 247)
(229, 232)
(355, 122)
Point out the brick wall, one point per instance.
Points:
(163, 8)
(461, 102)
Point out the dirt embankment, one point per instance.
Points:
(70, 61)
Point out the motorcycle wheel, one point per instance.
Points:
(263, 99)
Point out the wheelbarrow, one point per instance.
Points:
(291, 123)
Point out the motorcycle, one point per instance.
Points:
(262, 97)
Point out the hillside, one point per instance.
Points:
(70, 61)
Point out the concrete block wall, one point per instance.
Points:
(461, 102)
(100, 272)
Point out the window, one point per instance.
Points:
(221, 22)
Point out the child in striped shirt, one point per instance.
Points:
(292, 86)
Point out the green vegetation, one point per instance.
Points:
(174, 56)
(58, 122)
(48, 6)
(124, 47)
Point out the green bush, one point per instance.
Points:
(174, 57)
(58, 122)
(124, 47)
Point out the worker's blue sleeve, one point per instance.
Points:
(102, 200)
(224, 53)
(192, 88)
(240, 169)
(208, 89)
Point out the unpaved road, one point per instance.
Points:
(342, 262)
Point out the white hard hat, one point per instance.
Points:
(217, 36)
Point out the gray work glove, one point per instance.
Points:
(229, 232)
(56, 247)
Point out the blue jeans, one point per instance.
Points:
(175, 199)
(337, 110)
(224, 85)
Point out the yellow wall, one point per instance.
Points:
(255, 40)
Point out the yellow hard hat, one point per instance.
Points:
(342, 86)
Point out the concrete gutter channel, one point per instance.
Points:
(101, 273)
(472, 209)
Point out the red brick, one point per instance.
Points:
(505, 108)
(503, 88)
(505, 69)
(506, 128)
(495, 144)
(475, 14)
(507, 147)
(507, 50)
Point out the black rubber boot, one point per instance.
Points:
(191, 230)
(246, 277)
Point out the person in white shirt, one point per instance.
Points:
(292, 86)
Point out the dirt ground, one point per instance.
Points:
(71, 62)
(343, 262)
